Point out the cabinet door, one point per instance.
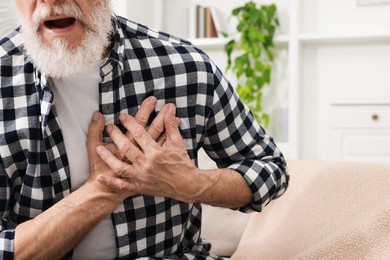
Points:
(358, 133)
(360, 145)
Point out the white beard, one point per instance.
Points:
(60, 60)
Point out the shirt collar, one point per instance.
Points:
(117, 53)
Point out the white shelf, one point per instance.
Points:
(209, 42)
(281, 40)
(343, 38)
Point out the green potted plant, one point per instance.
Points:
(250, 54)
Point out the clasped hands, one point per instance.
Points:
(152, 161)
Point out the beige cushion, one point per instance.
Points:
(330, 211)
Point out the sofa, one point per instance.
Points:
(332, 210)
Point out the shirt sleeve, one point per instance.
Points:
(6, 235)
(235, 140)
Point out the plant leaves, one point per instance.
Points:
(251, 55)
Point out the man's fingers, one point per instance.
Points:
(95, 131)
(112, 161)
(156, 128)
(141, 137)
(146, 109)
(142, 116)
(126, 147)
(172, 123)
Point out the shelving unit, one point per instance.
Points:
(315, 37)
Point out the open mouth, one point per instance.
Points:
(60, 23)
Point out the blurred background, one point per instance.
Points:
(329, 96)
(7, 18)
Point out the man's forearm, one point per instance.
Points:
(59, 229)
(223, 188)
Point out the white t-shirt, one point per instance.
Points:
(76, 98)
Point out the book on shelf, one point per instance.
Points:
(210, 30)
(219, 20)
(203, 23)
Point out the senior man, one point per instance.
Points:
(125, 184)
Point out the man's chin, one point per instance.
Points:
(61, 60)
(65, 56)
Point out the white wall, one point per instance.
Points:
(341, 73)
(7, 18)
(341, 16)
(121, 7)
(147, 12)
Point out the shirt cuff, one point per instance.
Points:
(266, 180)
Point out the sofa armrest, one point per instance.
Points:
(221, 227)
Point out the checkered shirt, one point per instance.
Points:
(34, 170)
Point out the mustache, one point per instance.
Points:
(42, 13)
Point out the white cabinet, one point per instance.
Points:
(330, 74)
(359, 133)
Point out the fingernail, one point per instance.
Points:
(100, 150)
(96, 116)
(101, 178)
(172, 109)
(152, 99)
(109, 128)
(122, 117)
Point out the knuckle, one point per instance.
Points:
(138, 159)
(124, 148)
(122, 186)
(119, 169)
(137, 131)
(158, 155)
(149, 168)
(157, 128)
(141, 119)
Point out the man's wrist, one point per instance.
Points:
(206, 181)
(223, 188)
(99, 197)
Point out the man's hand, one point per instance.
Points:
(95, 136)
(152, 169)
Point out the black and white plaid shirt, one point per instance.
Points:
(34, 172)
